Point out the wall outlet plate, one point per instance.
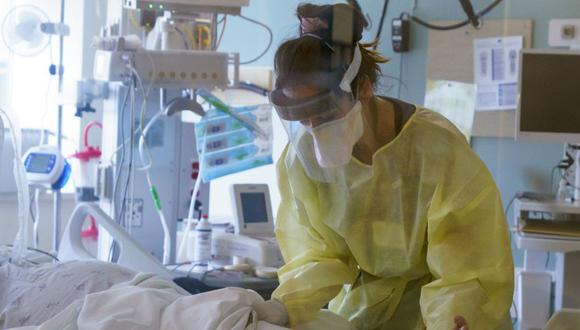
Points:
(134, 217)
(564, 33)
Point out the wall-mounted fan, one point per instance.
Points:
(22, 30)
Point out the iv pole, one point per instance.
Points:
(57, 194)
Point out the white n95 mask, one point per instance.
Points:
(333, 141)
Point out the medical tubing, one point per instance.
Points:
(154, 195)
(36, 218)
(461, 24)
(87, 129)
(185, 238)
(130, 188)
(219, 41)
(219, 105)
(21, 239)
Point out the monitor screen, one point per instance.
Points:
(254, 207)
(40, 163)
(550, 93)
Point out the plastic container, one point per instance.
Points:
(85, 169)
(203, 235)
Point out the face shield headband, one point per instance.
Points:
(303, 109)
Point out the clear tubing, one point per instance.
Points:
(185, 239)
(21, 239)
(156, 201)
(35, 235)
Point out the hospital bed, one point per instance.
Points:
(134, 257)
(131, 254)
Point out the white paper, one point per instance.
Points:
(455, 101)
(496, 67)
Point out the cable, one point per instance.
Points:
(55, 258)
(219, 41)
(136, 80)
(269, 42)
(507, 209)
(118, 174)
(468, 9)
(183, 37)
(381, 22)
(45, 112)
(565, 178)
(461, 24)
(401, 62)
(130, 165)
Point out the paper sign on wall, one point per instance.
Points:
(496, 67)
(455, 101)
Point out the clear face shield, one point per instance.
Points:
(324, 128)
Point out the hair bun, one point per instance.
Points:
(319, 20)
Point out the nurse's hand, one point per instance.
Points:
(460, 323)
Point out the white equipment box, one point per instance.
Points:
(179, 69)
(232, 7)
(258, 251)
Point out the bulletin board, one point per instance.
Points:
(450, 57)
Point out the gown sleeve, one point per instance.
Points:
(318, 263)
(468, 252)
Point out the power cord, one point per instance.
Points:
(381, 23)
(476, 17)
(269, 42)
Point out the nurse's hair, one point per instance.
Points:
(325, 48)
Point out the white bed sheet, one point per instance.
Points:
(150, 302)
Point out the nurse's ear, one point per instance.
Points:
(365, 90)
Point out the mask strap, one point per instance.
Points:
(319, 38)
(352, 70)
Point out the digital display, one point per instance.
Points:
(40, 163)
(254, 207)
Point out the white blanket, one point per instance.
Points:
(30, 296)
(149, 302)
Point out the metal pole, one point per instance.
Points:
(57, 195)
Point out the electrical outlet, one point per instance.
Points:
(134, 215)
(564, 33)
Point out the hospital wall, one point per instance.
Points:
(516, 166)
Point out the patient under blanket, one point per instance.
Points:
(146, 301)
(30, 296)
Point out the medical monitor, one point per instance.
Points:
(253, 209)
(549, 98)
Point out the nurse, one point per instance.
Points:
(387, 214)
